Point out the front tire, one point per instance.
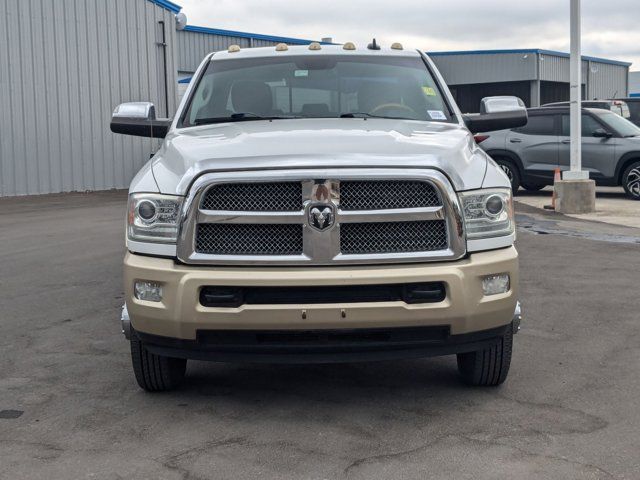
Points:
(155, 373)
(631, 181)
(489, 366)
(512, 172)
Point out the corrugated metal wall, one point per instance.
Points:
(194, 46)
(602, 79)
(606, 80)
(64, 66)
(634, 83)
(463, 69)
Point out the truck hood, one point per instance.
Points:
(318, 143)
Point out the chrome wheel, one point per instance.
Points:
(633, 182)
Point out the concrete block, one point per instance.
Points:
(575, 196)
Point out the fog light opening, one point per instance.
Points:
(496, 284)
(148, 291)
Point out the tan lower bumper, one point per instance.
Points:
(180, 314)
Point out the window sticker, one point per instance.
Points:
(301, 73)
(429, 91)
(437, 114)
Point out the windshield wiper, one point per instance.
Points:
(370, 115)
(239, 117)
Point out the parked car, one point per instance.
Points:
(319, 204)
(529, 155)
(616, 106)
(634, 108)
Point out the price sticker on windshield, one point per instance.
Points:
(437, 114)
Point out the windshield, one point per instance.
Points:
(621, 125)
(323, 86)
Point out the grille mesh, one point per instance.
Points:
(249, 239)
(393, 237)
(387, 194)
(254, 197)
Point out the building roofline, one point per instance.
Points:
(172, 7)
(255, 36)
(538, 51)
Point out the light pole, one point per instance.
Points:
(575, 79)
(575, 193)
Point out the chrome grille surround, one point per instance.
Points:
(322, 246)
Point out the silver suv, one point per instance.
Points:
(530, 154)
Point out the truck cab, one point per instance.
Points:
(321, 203)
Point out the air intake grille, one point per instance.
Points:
(249, 239)
(387, 194)
(254, 197)
(393, 237)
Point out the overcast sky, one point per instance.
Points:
(610, 27)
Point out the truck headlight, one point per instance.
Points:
(488, 213)
(153, 217)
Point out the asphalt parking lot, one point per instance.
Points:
(70, 408)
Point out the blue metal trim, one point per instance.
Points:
(185, 80)
(527, 50)
(634, 95)
(172, 7)
(481, 52)
(255, 36)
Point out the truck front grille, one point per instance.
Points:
(254, 197)
(249, 239)
(393, 237)
(387, 194)
(311, 217)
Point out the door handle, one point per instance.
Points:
(566, 141)
(515, 140)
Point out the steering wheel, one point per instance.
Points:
(397, 106)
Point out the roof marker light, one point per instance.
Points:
(396, 46)
(233, 48)
(349, 46)
(282, 47)
(315, 46)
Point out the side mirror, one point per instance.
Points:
(601, 133)
(139, 119)
(497, 113)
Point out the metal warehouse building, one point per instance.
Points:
(66, 64)
(536, 76)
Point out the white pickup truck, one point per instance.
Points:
(321, 203)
